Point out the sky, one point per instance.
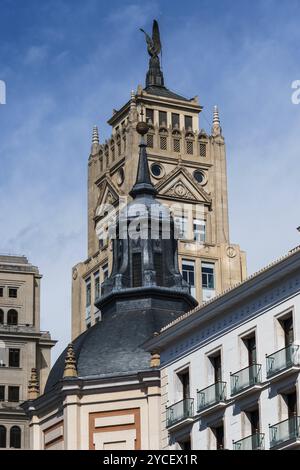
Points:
(67, 63)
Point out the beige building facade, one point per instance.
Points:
(188, 169)
(23, 346)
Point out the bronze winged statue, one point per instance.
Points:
(153, 44)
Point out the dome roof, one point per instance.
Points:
(112, 346)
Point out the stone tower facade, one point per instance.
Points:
(188, 171)
(24, 349)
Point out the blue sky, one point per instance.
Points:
(68, 63)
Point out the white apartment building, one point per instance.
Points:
(230, 368)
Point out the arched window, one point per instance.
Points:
(1, 317)
(2, 437)
(12, 317)
(15, 437)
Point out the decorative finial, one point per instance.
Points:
(216, 127)
(33, 385)
(155, 359)
(70, 362)
(95, 138)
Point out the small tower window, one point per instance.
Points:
(176, 145)
(149, 116)
(202, 150)
(163, 143)
(15, 437)
(1, 317)
(163, 118)
(136, 269)
(150, 140)
(2, 437)
(12, 317)
(188, 122)
(175, 120)
(190, 147)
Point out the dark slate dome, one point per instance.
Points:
(113, 346)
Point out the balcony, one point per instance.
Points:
(285, 434)
(246, 380)
(180, 413)
(284, 361)
(254, 442)
(212, 397)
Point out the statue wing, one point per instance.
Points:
(156, 37)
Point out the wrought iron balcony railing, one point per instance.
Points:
(254, 442)
(283, 359)
(211, 395)
(180, 411)
(245, 378)
(285, 431)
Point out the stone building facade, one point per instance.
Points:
(23, 346)
(188, 169)
(230, 369)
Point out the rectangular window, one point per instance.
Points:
(13, 394)
(216, 363)
(181, 228)
(149, 116)
(175, 120)
(162, 118)
(12, 292)
(199, 230)
(105, 271)
(14, 358)
(163, 143)
(188, 274)
(88, 292)
(202, 150)
(218, 432)
(97, 285)
(1, 291)
(150, 140)
(190, 147)
(2, 393)
(184, 379)
(208, 277)
(188, 122)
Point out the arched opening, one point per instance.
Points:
(2, 437)
(15, 437)
(12, 317)
(1, 317)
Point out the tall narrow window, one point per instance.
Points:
(184, 378)
(1, 317)
(199, 230)
(15, 437)
(13, 393)
(251, 348)
(105, 271)
(188, 273)
(2, 437)
(2, 392)
(181, 228)
(137, 269)
(208, 280)
(175, 120)
(288, 328)
(217, 366)
(12, 317)
(88, 292)
(149, 116)
(218, 432)
(14, 357)
(97, 285)
(158, 266)
(163, 118)
(1, 291)
(188, 122)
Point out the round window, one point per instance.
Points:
(156, 170)
(199, 176)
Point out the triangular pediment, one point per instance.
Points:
(179, 184)
(108, 196)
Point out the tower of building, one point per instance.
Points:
(24, 348)
(188, 170)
